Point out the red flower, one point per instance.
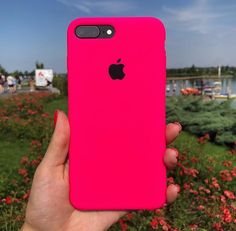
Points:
(154, 223)
(23, 172)
(225, 175)
(215, 183)
(193, 191)
(201, 188)
(129, 216)
(26, 180)
(229, 194)
(165, 227)
(24, 160)
(227, 215)
(213, 197)
(158, 211)
(45, 115)
(227, 163)
(164, 224)
(36, 143)
(232, 151)
(222, 199)
(34, 163)
(8, 200)
(200, 207)
(218, 227)
(193, 227)
(123, 225)
(26, 195)
(16, 200)
(170, 180)
(233, 172)
(192, 171)
(31, 112)
(194, 159)
(187, 186)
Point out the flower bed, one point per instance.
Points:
(206, 174)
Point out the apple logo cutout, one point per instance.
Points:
(116, 70)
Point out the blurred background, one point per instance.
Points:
(200, 94)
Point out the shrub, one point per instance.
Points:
(60, 82)
(204, 117)
(22, 116)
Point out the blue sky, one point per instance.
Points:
(200, 32)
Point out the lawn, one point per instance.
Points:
(204, 151)
(11, 153)
(206, 172)
(60, 103)
(12, 149)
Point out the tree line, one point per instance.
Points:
(200, 71)
(16, 73)
(176, 72)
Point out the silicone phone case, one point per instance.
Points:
(117, 126)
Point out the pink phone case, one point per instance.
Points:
(117, 126)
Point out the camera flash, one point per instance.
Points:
(109, 32)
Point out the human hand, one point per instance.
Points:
(49, 207)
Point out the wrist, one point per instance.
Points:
(27, 227)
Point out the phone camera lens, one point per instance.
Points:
(87, 31)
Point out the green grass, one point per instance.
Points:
(10, 154)
(60, 103)
(11, 150)
(205, 152)
(211, 157)
(181, 213)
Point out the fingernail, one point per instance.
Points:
(180, 126)
(178, 187)
(55, 118)
(176, 152)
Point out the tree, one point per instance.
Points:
(26, 73)
(2, 70)
(17, 73)
(193, 69)
(200, 117)
(39, 65)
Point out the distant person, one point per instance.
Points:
(14, 84)
(5, 81)
(174, 88)
(1, 84)
(19, 82)
(10, 83)
(31, 84)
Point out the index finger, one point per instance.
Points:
(172, 131)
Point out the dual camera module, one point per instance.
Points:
(95, 31)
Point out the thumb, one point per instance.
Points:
(58, 148)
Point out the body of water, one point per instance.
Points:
(228, 85)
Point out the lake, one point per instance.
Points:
(226, 83)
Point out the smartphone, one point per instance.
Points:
(116, 109)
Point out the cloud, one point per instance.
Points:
(82, 7)
(199, 17)
(106, 6)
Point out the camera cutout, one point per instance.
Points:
(94, 31)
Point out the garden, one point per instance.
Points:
(206, 170)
